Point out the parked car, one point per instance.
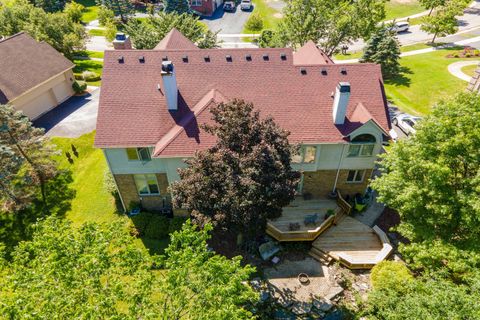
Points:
(406, 123)
(229, 6)
(246, 5)
(399, 27)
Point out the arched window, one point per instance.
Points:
(362, 146)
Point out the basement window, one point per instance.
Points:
(141, 154)
(355, 176)
(146, 184)
(306, 154)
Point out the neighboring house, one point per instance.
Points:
(34, 77)
(153, 103)
(205, 7)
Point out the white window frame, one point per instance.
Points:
(302, 152)
(360, 151)
(362, 171)
(144, 176)
(196, 3)
(139, 158)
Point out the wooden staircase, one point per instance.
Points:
(320, 256)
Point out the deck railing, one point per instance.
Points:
(306, 235)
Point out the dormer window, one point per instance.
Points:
(140, 154)
(306, 154)
(362, 146)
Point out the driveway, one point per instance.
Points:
(227, 22)
(72, 118)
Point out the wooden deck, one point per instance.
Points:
(353, 243)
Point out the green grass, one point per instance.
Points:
(270, 21)
(400, 9)
(96, 32)
(90, 54)
(469, 70)
(93, 201)
(88, 65)
(425, 81)
(358, 54)
(91, 10)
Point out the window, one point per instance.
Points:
(362, 146)
(196, 3)
(138, 154)
(306, 154)
(146, 184)
(355, 176)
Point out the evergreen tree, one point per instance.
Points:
(122, 8)
(177, 6)
(383, 48)
(50, 5)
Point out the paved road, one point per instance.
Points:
(72, 118)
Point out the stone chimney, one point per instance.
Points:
(170, 85)
(122, 42)
(340, 102)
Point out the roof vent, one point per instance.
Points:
(283, 56)
(265, 57)
(120, 59)
(207, 58)
(185, 58)
(141, 59)
(248, 57)
(165, 58)
(303, 71)
(343, 71)
(229, 58)
(324, 71)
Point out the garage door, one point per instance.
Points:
(38, 105)
(63, 91)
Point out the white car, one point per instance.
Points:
(406, 123)
(400, 27)
(246, 5)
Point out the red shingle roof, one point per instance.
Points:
(26, 63)
(175, 40)
(133, 112)
(310, 54)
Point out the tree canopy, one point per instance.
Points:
(383, 48)
(122, 8)
(98, 271)
(245, 178)
(177, 6)
(330, 23)
(147, 34)
(443, 22)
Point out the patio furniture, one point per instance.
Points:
(303, 278)
(294, 226)
(311, 219)
(268, 250)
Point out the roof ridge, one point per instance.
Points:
(12, 36)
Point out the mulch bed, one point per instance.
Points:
(467, 52)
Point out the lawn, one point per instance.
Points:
(358, 54)
(90, 54)
(425, 81)
(469, 70)
(270, 16)
(91, 10)
(402, 8)
(97, 32)
(93, 201)
(88, 65)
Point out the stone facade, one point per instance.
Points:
(320, 183)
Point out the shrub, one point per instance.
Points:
(141, 222)
(90, 76)
(468, 55)
(105, 15)
(110, 31)
(390, 275)
(158, 227)
(78, 76)
(456, 55)
(74, 11)
(255, 22)
(176, 224)
(79, 86)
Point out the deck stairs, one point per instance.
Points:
(320, 256)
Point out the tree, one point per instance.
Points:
(269, 39)
(57, 29)
(50, 5)
(444, 21)
(242, 180)
(122, 8)
(432, 4)
(432, 179)
(177, 6)
(147, 34)
(74, 11)
(98, 271)
(329, 22)
(105, 15)
(383, 48)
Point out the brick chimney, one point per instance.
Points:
(170, 85)
(340, 102)
(122, 42)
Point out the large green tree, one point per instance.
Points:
(177, 6)
(444, 22)
(242, 180)
(383, 48)
(122, 8)
(432, 179)
(98, 271)
(330, 23)
(147, 34)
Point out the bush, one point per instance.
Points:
(456, 55)
(74, 11)
(105, 15)
(79, 86)
(468, 55)
(176, 224)
(90, 76)
(110, 31)
(141, 222)
(158, 227)
(255, 22)
(390, 275)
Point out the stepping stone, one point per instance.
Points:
(300, 308)
(335, 291)
(323, 305)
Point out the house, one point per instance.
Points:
(206, 7)
(34, 77)
(153, 102)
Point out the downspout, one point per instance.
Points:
(116, 186)
(338, 169)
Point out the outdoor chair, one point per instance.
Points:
(311, 219)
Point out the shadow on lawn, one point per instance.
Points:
(402, 79)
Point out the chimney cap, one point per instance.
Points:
(167, 67)
(344, 86)
(120, 36)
